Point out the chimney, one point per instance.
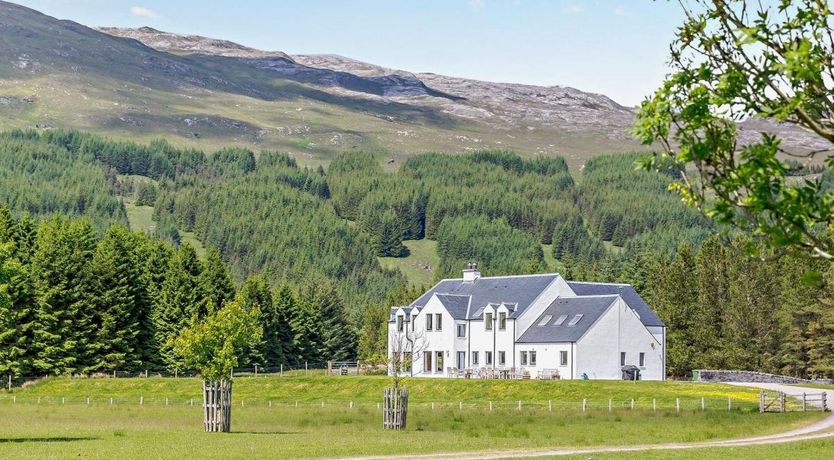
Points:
(471, 273)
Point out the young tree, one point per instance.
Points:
(214, 347)
(733, 61)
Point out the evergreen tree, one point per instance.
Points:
(17, 315)
(181, 302)
(255, 293)
(279, 337)
(64, 325)
(216, 281)
(306, 326)
(118, 295)
(338, 339)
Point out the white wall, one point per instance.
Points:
(547, 357)
(618, 330)
(434, 340)
(483, 340)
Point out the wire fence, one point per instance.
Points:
(643, 404)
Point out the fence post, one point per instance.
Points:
(10, 383)
(632, 403)
(460, 405)
(88, 400)
(549, 405)
(703, 407)
(584, 403)
(490, 406)
(519, 405)
(282, 369)
(256, 370)
(141, 400)
(62, 400)
(803, 401)
(677, 404)
(111, 401)
(654, 404)
(166, 401)
(432, 406)
(305, 368)
(610, 405)
(729, 403)
(824, 397)
(761, 402)
(782, 401)
(296, 404)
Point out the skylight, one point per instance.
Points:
(546, 319)
(560, 320)
(479, 311)
(575, 320)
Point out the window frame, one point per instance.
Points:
(438, 321)
(427, 367)
(532, 358)
(522, 358)
(438, 362)
(461, 327)
(488, 358)
(502, 321)
(642, 359)
(563, 357)
(400, 323)
(622, 358)
(429, 322)
(502, 358)
(475, 360)
(488, 321)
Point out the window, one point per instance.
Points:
(532, 357)
(502, 358)
(642, 359)
(461, 330)
(488, 321)
(575, 320)
(563, 358)
(474, 358)
(523, 358)
(429, 318)
(427, 361)
(400, 323)
(406, 362)
(560, 320)
(488, 358)
(545, 319)
(502, 321)
(438, 322)
(438, 361)
(622, 358)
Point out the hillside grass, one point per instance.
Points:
(140, 219)
(48, 428)
(422, 253)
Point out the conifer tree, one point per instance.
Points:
(279, 344)
(118, 294)
(305, 322)
(255, 293)
(60, 276)
(17, 315)
(216, 281)
(181, 302)
(338, 339)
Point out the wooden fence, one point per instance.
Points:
(217, 405)
(394, 409)
(781, 402)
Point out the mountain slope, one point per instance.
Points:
(207, 93)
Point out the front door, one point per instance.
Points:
(461, 362)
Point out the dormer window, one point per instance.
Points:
(400, 323)
(502, 321)
(488, 321)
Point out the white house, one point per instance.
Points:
(536, 325)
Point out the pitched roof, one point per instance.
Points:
(519, 290)
(630, 296)
(456, 305)
(546, 330)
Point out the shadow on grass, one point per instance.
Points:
(53, 439)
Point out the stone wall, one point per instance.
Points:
(703, 375)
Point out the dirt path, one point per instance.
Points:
(819, 430)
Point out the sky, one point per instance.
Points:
(614, 47)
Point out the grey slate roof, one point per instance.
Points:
(591, 308)
(519, 290)
(456, 305)
(629, 295)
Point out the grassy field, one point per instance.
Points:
(339, 416)
(805, 450)
(423, 253)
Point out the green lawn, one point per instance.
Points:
(423, 253)
(52, 419)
